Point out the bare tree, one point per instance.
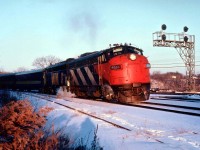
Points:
(46, 61)
(21, 69)
(1, 70)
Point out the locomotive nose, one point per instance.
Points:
(128, 69)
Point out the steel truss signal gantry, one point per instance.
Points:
(185, 46)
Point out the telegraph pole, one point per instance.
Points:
(185, 46)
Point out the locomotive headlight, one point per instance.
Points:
(132, 56)
(148, 65)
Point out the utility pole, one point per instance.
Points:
(185, 46)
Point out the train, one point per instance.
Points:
(120, 72)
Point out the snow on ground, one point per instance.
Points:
(150, 129)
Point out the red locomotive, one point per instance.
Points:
(120, 72)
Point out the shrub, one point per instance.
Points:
(20, 127)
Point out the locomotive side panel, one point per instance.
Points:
(84, 81)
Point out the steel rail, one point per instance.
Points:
(171, 105)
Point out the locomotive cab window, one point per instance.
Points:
(117, 51)
(134, 50)
(114, 52)
(110, 53)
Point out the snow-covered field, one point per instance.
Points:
(150, 129)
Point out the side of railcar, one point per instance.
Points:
(7, 81)
(30, 80)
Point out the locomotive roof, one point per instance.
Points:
(57, 64)
(90, 55)
(60, 63)
(29, 72)
(130, 46)
(6, 74)
(87, 57)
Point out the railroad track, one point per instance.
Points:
(82, 112)
(155, 106)
(48, 98)
(146, 105)
(171, 105)
(149, 105)
(174, 98)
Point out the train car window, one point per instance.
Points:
(62, 78)
(109, 55)
(103, 58)
(137, 52)
(54, 78)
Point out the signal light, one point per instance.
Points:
(185, 39)
(163, 37)
(163, 27)
(185, 29)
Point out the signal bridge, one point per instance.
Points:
(185, 46)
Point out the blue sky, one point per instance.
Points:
(66, 28)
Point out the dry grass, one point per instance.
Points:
(21, 127)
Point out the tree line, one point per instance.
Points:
(174, 81)
(38, 63)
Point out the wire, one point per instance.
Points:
(167, 64)
(170, 63)
(170, 66)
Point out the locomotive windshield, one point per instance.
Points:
(133, 50)
(117, 51)
(122, 50)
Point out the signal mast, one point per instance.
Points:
(185, 46)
